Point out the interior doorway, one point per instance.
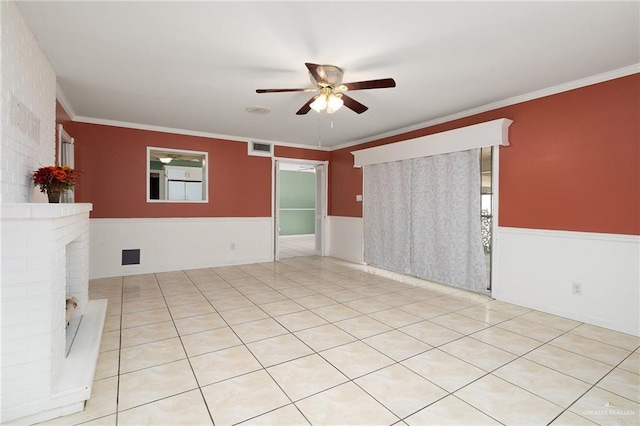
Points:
(299, 208)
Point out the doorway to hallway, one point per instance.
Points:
(299, 208)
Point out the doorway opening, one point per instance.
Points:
(299, 208)
(487, 206)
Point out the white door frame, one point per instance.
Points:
(275, 191)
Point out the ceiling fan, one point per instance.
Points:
(328, 81)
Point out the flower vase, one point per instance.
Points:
(54, 196)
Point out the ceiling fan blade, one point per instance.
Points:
(284, 90)
(369, 84)
(306, 108)
(354, 105)
(317, 72)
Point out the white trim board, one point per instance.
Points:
(490, 133)
(538, 268)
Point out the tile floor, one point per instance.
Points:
(296, 245)
(318, 341)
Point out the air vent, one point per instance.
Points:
(261, 149)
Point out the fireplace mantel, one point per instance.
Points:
(45, 256)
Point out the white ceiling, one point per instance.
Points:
(195, 65)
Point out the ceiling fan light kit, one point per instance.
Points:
(328, 80)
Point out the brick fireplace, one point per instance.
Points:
(45, 257)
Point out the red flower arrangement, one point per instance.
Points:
(55, 178)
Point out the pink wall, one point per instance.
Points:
(573, 163)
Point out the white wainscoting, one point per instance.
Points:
(345, 238)
(536, 269)
(172, 244)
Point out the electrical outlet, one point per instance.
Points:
(576, 288)
(233, 246)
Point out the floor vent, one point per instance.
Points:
(131, 257)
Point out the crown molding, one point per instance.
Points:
(564, 87)
(60, 96)
(138, 126)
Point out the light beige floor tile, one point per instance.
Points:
(553, 321)
(338, 312)
(591, 348)
(506, 340)
(220, 293)
(150, 354)
(568, 418)
(146, 317)
(191, 310)
(424, 309)
(185, 299)
(478, 353)
(508, 403)
(111, 323)
(231, 303)
(431, 333)
(151, 384)
(288, 415)
(444, 370)
(450, 303)
(243, 397)
(103, 401)
(486, 315)
(110, 341)
(395, 317)
(400, 390)
(324, 337)
(212, 287)
(450, 411)
(346, 404)
(102, 421)
(282, 307)
(572, 364)
(279, 349)
(367, 305)
(506, 308)
(306, 376)
(297, 292)
(239, 316)
(356, 359)
(632, 363)
(606, 408)
(199, 323)
(173, 288)
(114, 308)
(610, 337)
(107, 365)
(530, 329)
(224, 364)
(209, 341)
(259, 330)
(459, 323)
(397, 345)
(300, 320)
(549, 384)
(314, 301)
(343, 296)
(184, 409)
(266, 297)
(143, 305)
(148, 333)
(623, 383)
(362, 326)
